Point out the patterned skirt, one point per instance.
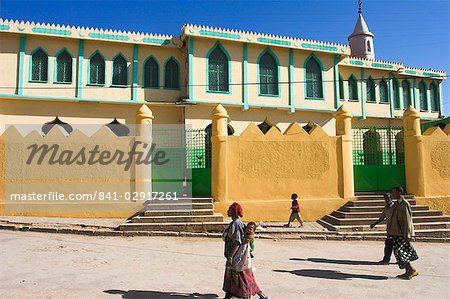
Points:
(240, 284)
(404, 252)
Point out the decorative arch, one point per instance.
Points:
(272, 82)
(150, 79)
(39, 71)
(341, 88)
(314, 86)
(384, 91)
(434, 97)
(218, 80)
(406, 90)
(353, 94)
(396, 93)
(370, 90)
(96, 74)
(172, 75)
(119, 72)
(63, 72)
(423, 97)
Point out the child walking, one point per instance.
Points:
(295, 211)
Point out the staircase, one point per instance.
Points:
(355, 217)
(194, 215)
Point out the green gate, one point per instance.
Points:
(198, 159)
(378, 158)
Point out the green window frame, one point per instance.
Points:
(218, 73)
(268, 74)
(370, 91)
(341, 88)
(63, 67)
(384, 91)
(423, 99)
(353, 89)
(150, 73)
(434, 97)
(406, 89)
(314, 82)
(39, 66)
(396, 93)
(171, 74)
(120, 71)
(97, 69)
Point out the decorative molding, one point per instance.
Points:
(51, 31)
(156, 41)
(219, 34)
(4, 27)
(319, 47)
(109, 36)
(273, 41)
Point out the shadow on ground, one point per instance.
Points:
(331, 274)
(138, 294)
(339, 262)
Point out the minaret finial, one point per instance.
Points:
(360, 6)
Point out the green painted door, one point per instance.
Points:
(378, 158)
(198, 160)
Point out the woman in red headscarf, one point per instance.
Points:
(238, 280)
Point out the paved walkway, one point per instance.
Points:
(38, 265)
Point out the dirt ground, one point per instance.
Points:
(40, 265)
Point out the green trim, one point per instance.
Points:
(80, 68)
(218, 45)
(156, 41)
(426, 97)
(391, 95)
(437, 98)
(382, 65)
(387, 91)
(431, 74)
(30, 73)
(337, 100)
(397, 101)
(410, 100)
(179, 74)
(374, 89)
(343, 89)
(135, 72)
(112, 71)
(23, 38)
(313, 56)
(191, 68)
(219, 34)
(363, 95)
(245, 73)
(415, 93)
(55, 67)
(109, 36)
(268, 50)
(319, 47)
(157, 73)
(273, 41)
(291, 80)
(441, 104)
(89, 69)
(356, 62)
(410, 72)
(51, 31)
(73, 99)
(4, 27)
(348, 84)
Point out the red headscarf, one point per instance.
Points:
(236, 209)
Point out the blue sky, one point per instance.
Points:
(413, 32)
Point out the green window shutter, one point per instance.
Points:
(39, 66)
(370, 91)
(151, 73)
(218, 71)
(396, 89)
(268, 75)
(352, 89)
(423, 97)
(313, 79)
(64, 68)
(384, 94)
(171, 77)
(120, 71)
(406, 94)
(97, 70)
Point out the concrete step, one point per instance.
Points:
(378, 209)
(201, 212)
(177, 219)
(381, 227)
(372, 202)
(186, 206)
(349, 215)
(436, 233)
(367, 221)
(378, 197)
(176, 227)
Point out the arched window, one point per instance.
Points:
(434, 97)
(39, 66)
(151, 73)
(406, 94)
(64, 67)
(396, 90)
(423, 97)
(369, 49)
(171, 78)
(120, 71)
(352, 89)
(341, 88)
(97, 69)
(370, 90)
(313, 79)
(268, 75)
(218, 70)
(384, 94)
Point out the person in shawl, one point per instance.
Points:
(402, 230)
(238, 279)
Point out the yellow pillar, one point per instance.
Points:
(414, 167)
(344, 131)
(219, 154)
(143, 173)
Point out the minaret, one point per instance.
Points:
(361, 40)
